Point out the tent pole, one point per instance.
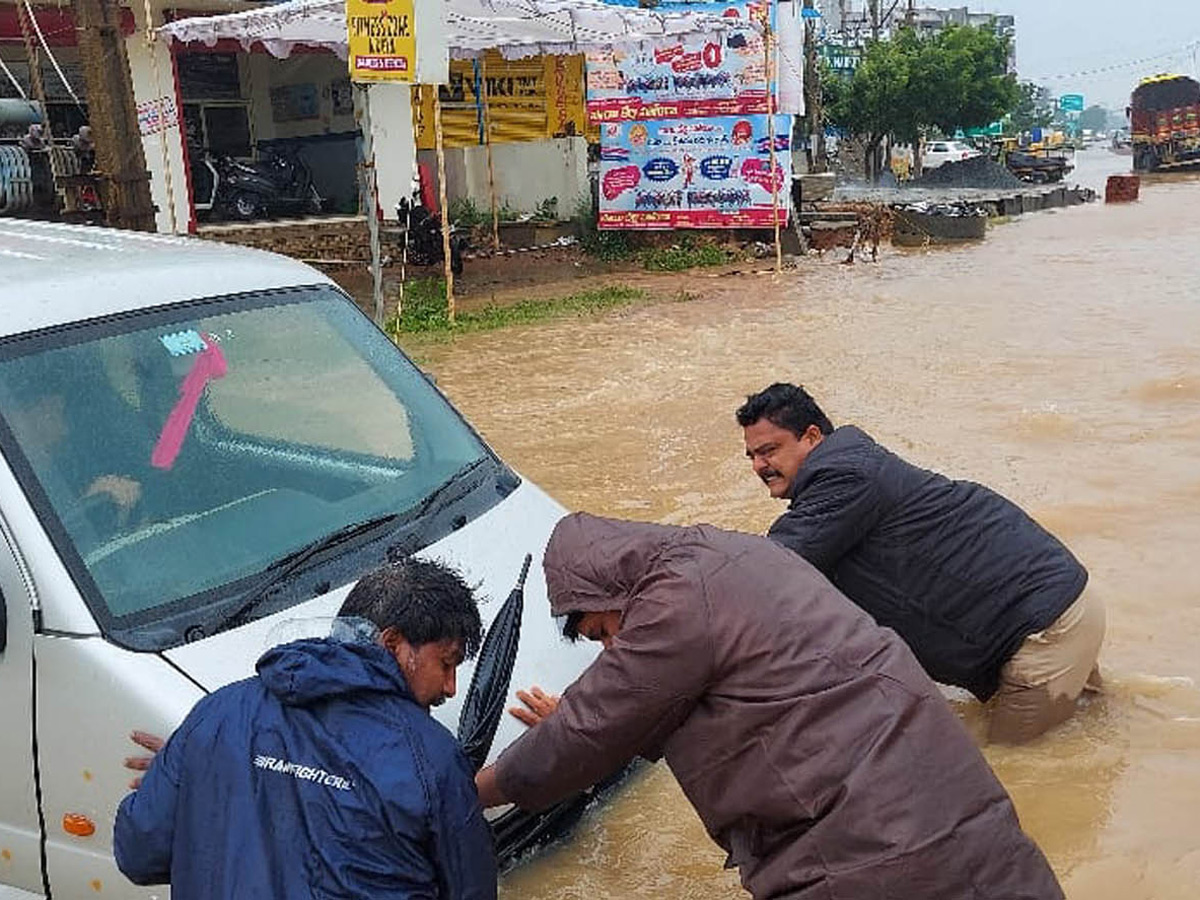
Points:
(370, 191)
(415, 101)
(440, 141)
(771, 139)
(487, 141)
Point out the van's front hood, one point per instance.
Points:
(488, 552)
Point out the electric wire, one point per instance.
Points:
(13, 79)
(1180, 52)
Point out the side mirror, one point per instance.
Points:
(3, 622)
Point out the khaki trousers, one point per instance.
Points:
(1040, 685)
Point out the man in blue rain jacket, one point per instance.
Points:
(325, 776)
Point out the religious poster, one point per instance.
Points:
(710, 172)
(382, 37)
(293, 102)
(721, 74)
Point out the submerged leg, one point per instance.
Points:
(1041, 684)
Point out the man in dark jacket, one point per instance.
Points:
(325, 775)
(987, 599)
(809, 741)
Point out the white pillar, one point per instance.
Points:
(147, 88)
(395, 144)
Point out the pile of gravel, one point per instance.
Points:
(977, 172)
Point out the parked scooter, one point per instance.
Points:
(278, 183)
(425, 247)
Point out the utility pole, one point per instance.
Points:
(112, 115)
(910, 18)
(873, 7)
(813, 105)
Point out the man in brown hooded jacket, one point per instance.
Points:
(815, 749)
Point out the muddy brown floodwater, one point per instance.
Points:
(1058, 362)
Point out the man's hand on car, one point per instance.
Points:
(150, 742)
(538, 705)
(124, 492)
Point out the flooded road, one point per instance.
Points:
(1058, 362)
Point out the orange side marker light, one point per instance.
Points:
(78, 824)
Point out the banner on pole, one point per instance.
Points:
(383, 41)
(789, 36)
(723, 74)
(694, 173)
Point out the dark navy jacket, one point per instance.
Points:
(320, 778)
(959, 572)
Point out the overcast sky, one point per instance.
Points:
(1061, 37)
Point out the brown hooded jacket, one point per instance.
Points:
(814, 748)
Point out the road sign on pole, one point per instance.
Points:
(1071, 102)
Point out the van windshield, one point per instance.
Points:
(178, 457)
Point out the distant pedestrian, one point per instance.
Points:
(817, 753)
(986, 598)
(34, 139)
(85, 148)
(325, 775)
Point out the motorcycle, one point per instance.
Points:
(424, 236)
(277, 183)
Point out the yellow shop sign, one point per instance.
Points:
(383, 42)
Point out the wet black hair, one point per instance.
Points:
(571, 626)
(426, 602)
(787, 406)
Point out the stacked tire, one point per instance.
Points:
(16, 181)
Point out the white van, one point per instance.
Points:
(201, 449)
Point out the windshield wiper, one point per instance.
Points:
(284, 567)
(440, 493)
(434, 502)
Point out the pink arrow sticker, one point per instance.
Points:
(209, 366)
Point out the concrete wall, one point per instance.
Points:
(164, 150)
(326, 141)
(329, 142)
(261, 73)
(526, 174)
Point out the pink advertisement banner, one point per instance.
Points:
(695, 173)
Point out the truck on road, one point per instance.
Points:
(1164, 115)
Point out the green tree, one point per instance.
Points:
(1034, 109)
(876, 100)
(969, 85)
(908, 85)
(1094, 118)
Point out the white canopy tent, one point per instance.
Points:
(516, 28)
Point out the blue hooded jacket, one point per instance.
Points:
(322, 777)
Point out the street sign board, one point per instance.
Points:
(1071, 102)
(994, 130)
